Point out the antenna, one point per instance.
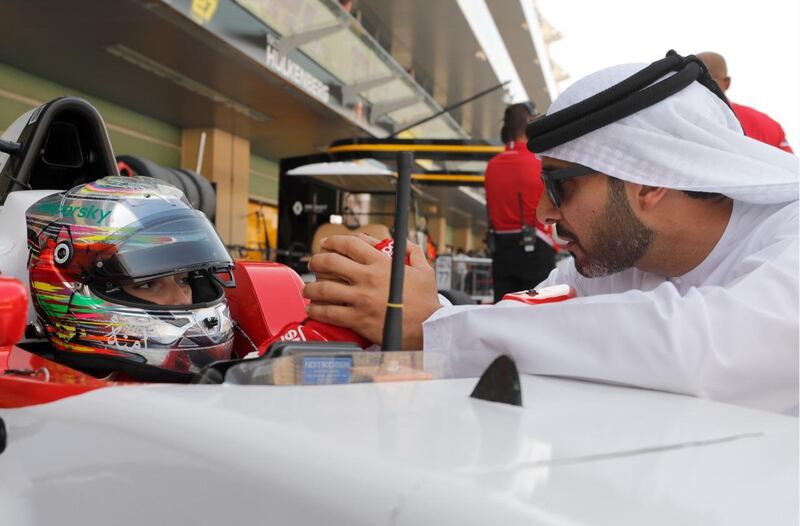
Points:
(393, 323)
(447, 109)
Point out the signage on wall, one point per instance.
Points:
(203, 10)
(291, 71)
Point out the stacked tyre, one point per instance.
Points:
(195, 187)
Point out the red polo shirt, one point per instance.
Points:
(515, 172)
(761, 127)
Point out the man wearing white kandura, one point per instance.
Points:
(684, 236)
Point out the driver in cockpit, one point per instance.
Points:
(125, 277)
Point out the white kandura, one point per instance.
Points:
(726, 330)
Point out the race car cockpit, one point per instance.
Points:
(53, 147)
(78, 239)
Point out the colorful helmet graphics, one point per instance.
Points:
(88, 243)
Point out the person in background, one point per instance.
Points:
(521, 248)
(755, 124)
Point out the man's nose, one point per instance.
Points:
(546, 211)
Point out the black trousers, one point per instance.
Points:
(513, 269)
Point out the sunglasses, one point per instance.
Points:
(552, 180)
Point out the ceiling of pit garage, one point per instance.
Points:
(104, 48)
(69, 42)
(434, 40)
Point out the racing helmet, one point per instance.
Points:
(88, 243)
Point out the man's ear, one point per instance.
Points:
(647, 197)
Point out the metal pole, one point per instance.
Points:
(201, 152)
(393, 323)
(450, 108)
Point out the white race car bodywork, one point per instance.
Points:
(13, 237)
(419, 452)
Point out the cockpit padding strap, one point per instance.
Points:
(625, 98)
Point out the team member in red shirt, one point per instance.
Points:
(522, 249)
(755, 124)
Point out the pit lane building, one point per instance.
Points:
(228, 88)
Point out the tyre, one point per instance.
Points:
(148, 168)
(208, 197)
(190, 188)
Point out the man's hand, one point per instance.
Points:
(356, 295)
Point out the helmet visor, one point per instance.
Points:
(167, 243)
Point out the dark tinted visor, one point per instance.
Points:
(167, 243)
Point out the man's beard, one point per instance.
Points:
(618, 239)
